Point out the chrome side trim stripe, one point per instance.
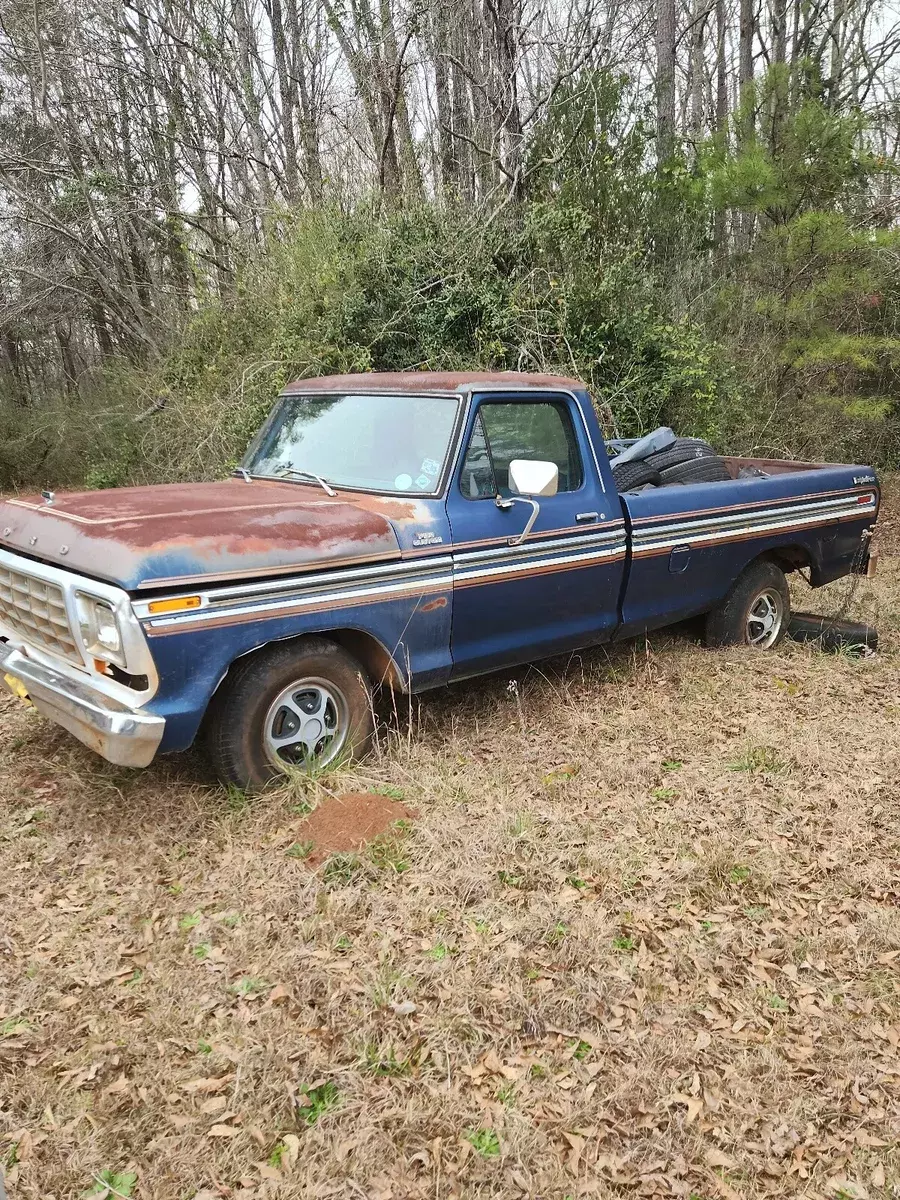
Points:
(286, 604)
(653, 541)
(748, 519)
(495, 572)
(529, 550)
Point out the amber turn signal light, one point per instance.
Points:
(176, 604)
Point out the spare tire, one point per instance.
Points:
(632, 475)
(683, 449)
(696, 470)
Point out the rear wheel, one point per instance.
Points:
(301, 705)
(756, 612)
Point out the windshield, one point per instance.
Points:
(373, 442)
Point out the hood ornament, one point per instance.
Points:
(47, 496)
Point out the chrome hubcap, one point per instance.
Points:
(306, 725)
(765, 618)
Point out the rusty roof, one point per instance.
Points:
(429, 381)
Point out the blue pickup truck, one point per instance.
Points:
(401, 531)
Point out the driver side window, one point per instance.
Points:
(504, 431)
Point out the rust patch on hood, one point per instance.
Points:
(195, 533)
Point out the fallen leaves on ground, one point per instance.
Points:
(642, 940)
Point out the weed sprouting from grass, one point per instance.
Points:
(672, 764)
(276, 1157)
(318, 1099)
(576, 881)
(510, 879)
(582, 1049)
(438, 952)
(758, 758)
(299, 850)
(249, 986)
(204, 1047)
(14, 1025)
(624, 943)
(560, 775)
(557, 934)
(739, 873)
(112, 1184)
(190, 921)
(776, 1002)
(484, 1141)
(387, 789)
(664, 793)
(340, 869)
(237, 801)
(377, 1061)
(387, 852)
(506, 1094)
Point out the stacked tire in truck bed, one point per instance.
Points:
(687, 460)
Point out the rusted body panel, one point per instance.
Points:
(175, 534)
(432, 381)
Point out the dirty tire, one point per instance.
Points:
(740, 619)
(708, 469)
(683, 449)
(241, 726)
(634, 474)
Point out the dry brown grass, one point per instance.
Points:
(647, 916)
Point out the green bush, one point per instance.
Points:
(425, 290)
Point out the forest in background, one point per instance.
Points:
(692, 204)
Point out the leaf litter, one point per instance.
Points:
(692, 988)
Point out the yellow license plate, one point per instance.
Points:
(17, 687)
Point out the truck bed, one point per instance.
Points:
(689, 542)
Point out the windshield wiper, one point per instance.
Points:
(286, 470)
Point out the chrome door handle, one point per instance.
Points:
(589, 516)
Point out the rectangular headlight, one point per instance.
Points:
(99, 629)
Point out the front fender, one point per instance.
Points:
(192, 659)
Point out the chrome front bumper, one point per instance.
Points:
(121, 735)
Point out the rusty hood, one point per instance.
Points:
(184, 534)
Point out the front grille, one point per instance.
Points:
(36, 611)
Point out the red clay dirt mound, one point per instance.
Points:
(345, 823)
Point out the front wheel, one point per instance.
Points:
(301, 705)
(756, 612)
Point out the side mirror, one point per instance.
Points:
(532, 477)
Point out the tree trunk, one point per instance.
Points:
(665, 80)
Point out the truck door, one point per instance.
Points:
(516, 600)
